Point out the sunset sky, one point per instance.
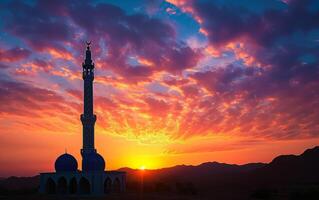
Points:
(176, 81)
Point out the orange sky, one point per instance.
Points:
(28, 151)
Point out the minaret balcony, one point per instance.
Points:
(86, 120)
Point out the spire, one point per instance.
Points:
(88, 118)
(88, 65)
(88, 60)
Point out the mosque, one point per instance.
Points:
(93, 179)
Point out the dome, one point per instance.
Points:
(93, 162)
(66, 163)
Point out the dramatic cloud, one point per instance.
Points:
(14, 54)
(23, 99)
(283, 79)
(175, 77)
(152, 42)
(35, 25)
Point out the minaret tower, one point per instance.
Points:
(88, 118)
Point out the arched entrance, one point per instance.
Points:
(50, 186)
(85, 187)
(116, 185)
(107, 185)
(62, 186)
(73, 186)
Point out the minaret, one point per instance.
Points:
(94, 180)
(88, 118)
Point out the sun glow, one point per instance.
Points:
(153, 160)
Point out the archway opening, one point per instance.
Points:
(116, 185)
(107, 185)
(62, 186)
(73, 186)
(50, 186)
(85, 187)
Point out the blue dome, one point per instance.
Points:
(66, 163)
(93, 162)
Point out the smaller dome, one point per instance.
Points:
(93, 162)
(66, 163)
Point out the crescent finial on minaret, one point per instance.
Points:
(88, 45)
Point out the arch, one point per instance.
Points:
(50, 186)
(73, 186)
(62, 186)
(116, 185)
(107, 185)
(85, 187)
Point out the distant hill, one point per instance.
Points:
(218, 180)
(183, 173)
(292, 169)
(226, 181)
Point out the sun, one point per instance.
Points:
(142, 167)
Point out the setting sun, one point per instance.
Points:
(142, 167)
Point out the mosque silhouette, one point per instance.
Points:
(93, 179)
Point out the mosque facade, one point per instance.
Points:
(93, 179)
